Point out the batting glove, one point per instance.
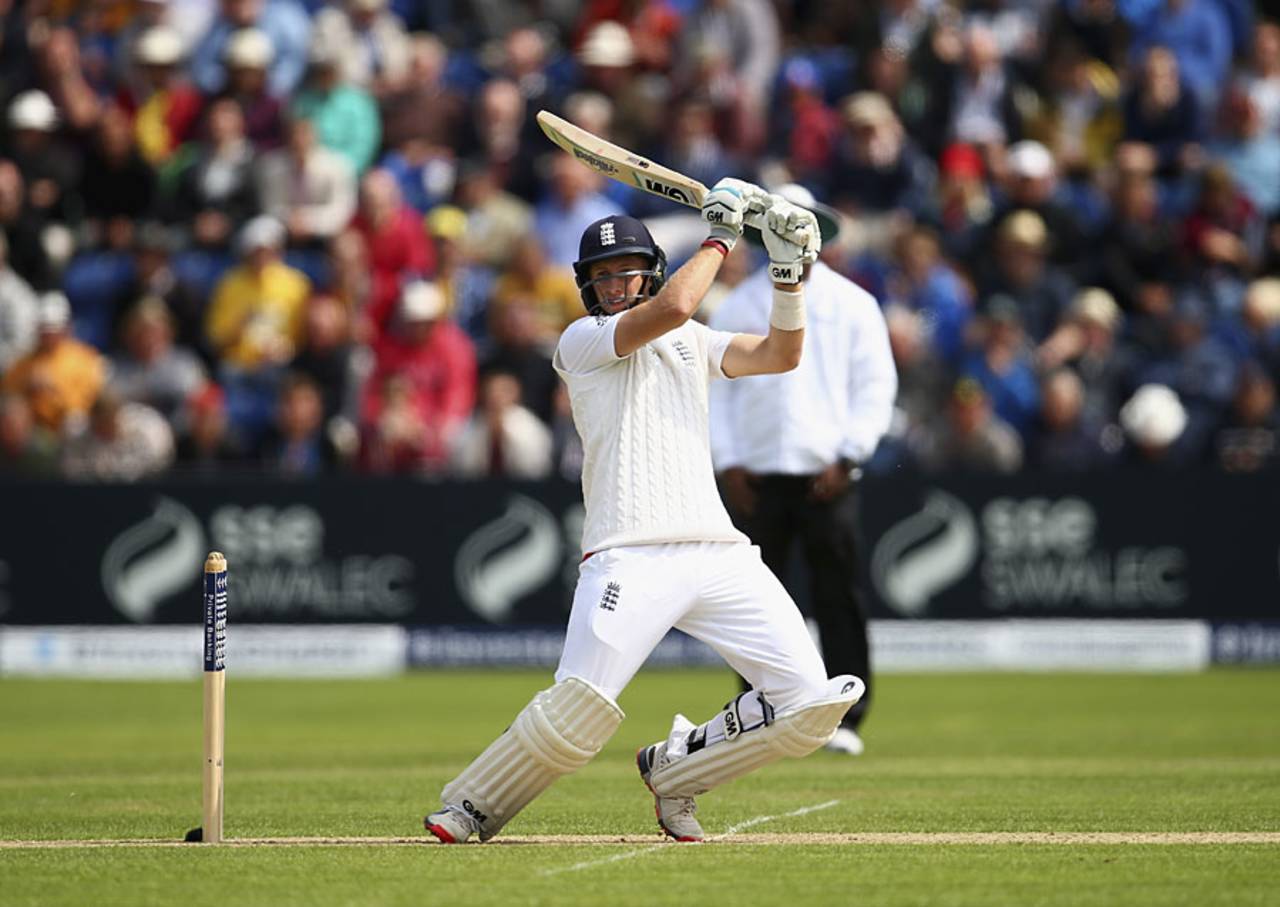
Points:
(726, 206)
(791, 237)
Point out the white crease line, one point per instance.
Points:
(731, 830)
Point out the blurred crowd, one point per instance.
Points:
(311, 237)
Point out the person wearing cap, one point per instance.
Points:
(62, 376)
(1155, 423)
(1031, 184)
(877, 170)
(437, 361)
(967, 437)
(1018, 267)
(286, 25)
(255, 319)
(165, 107)
(1087, 340)
(788, 448)
(49, 169)
(374, 41)
(248, 55)
(344, 114)
(465, 282)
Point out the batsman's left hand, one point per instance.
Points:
(726, 207)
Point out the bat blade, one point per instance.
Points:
(619, 164)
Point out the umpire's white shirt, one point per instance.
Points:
(646, 474)
(836, 403)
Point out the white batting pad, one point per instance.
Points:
(722, 758)
(558, 732)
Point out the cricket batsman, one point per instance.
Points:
(659, 549)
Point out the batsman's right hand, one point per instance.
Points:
(792, 239)
(726, 207)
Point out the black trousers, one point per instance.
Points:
(827, 536)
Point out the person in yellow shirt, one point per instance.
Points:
(256, 317)
(61, 377)
(552, 290)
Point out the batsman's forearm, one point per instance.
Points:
(783, 348)
(684, 291)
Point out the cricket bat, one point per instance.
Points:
(626, 166)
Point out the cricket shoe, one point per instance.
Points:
(845, 740)
(452, 825)
(676, 815)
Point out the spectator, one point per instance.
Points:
(1139, 245)
(395, 443)
(878, 170)
(1079, 119)
(247, 57)
(466, 284)
(327, 355)
(255, 320)
(61, 377)
(1086, 341)
(1017, 268)
(519, 349)
(1260, 77)
(345, 116)
(152, 370)
(608, 59)
(496, 219)
(971, 438)
(50, 171)
(164, 106)
(961, 207)
(59, 71)
(308, 188)
(923, 282)
(1197, 33)
(1223, 238)
(23, 229)
(1249, 438)
(503, 439)
(810, 129)
(497, 138)
(1068, 440)
(398, 247)
(206, 445)
(1159, 112)
(216, 193)
(118, 186)
(25, 447)
(1154, 422)
(152, 274)
(573, 201)
(123, 442)
(1031, 184)
(423, 108)
(746, 37)
(1003, 366)
(438, 362)
(923, 384)
(375, 45)
(976, 99)
(285, 24)
(19, 312)
(1251, 155)
(551, 290)
(298, 444)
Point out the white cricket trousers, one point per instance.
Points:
(718, 592)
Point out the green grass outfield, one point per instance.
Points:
(1146, 782)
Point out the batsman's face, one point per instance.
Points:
(617, 283)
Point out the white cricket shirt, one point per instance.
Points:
(836, 403)
(646, 475)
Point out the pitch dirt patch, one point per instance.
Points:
(850, 838)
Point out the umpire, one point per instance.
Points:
(788, 447)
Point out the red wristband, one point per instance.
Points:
(718, 244)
